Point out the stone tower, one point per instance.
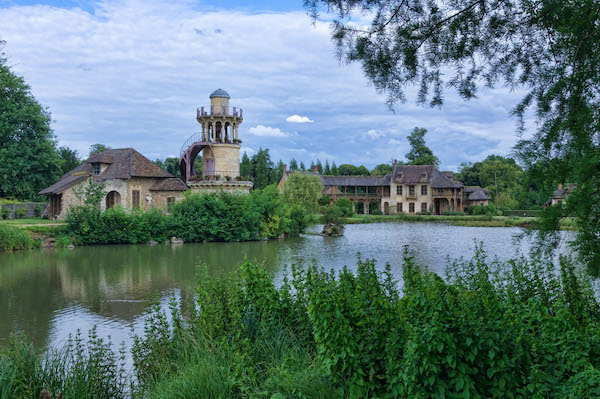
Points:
(220, 125)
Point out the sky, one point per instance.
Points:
(131, 73)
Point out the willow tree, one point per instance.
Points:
(549, 48)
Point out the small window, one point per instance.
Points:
(400, 207)
(135, 198)
(399, 190)
(440, 191)
(411, 190)
(96, 168)
(170, 202)
(411, 207)
(423, 206)
(423, 190)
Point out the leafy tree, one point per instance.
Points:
(160, 163)
(260, 168)
(302, 167)
(171, 165)
(469, 174)
(28, 158)
(549, 47)
(351, 170)
(276, 173)
(319, 166)
(91, 194)
(327, 169)
(312, 166)
(293, 164)
(303, 190)
(69, 159)
(98, 148)
(500, 174)
(334, 170)
(419, 153)
(382, 169)
(245, 166)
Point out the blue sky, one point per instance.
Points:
(131, 73)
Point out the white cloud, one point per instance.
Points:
(394, 142)
(298, 119)
(375, 133)
(267, 131)
(246, 150)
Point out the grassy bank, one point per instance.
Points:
(13, 238)
(465, 220)
(521, 329)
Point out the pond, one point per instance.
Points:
(50, 293)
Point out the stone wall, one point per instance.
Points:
(395, 199)
(227, 159)
(30, 206)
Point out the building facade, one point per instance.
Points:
(130, 179)
(408, 189)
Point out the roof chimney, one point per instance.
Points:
(315, 168)
(284, 168)
(560, 186)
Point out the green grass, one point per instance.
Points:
(13, 238)
(29, 221)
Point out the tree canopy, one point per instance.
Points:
(303, 190)
(98, 148)
(548, 47)
(69, 159)
(28, 158)
(419, 153)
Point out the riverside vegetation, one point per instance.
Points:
(519, 329)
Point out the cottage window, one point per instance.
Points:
(96, 168)
(399, 190)
(440, 191)
(411, 190)
(135, 198)
(170, 202)
(423, 206)
(411, 207)
(423, 190)
(400, 207)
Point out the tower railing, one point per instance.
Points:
(222, 110)
(194, 138)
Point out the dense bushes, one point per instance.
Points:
(522, 329)
(483, 210)
(12, 238)
(517, 330)
(197, 218)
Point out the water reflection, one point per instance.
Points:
(51, 293)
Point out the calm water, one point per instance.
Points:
(51, 293)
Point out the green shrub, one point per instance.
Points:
(62, 241)
(21, 213)
(346, 207)
(332, 214)
(5, 213)
(12, 238)
(483, 210)
(376, 212)
(452, 213)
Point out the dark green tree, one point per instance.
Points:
(381, 169)
(245, 166)
(276, 173)
(28, 158)
(260, 168)
(327, 169)
(319, 166)
(69, 159)
(172, 166)
(351, 170)
(98, 148)
(312, 165)
(334, 170)
(293, 164)
(302, 167)
(419, 153)
(469, 174)
(549, 47)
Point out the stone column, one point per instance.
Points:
(203, 132)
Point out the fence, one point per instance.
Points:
(29, 206)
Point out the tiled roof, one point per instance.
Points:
(415, 174)
(169, 184)
(564, 192)
(479, 194)
(356, 180)
(219, 93)
(125, 163)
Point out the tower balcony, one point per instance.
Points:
(223, 110)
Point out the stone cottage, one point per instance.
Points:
(475, 196)
(560, 195)
(132, 181)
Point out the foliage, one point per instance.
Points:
(345, 205)
(293, 164)
(382, 169)
(351, 170)
(549, 47)
(483, 210)
(98, 148)
(419, 153)
(303, 190)
(196, 218)
(78, 370)
(69, 159)
(332, 214)
(334, 170)
(5, 212)
(91, 194)
(21, 213)
(12, 238)
(28, 159)
(37, 211)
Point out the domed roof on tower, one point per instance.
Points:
(219, 93)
